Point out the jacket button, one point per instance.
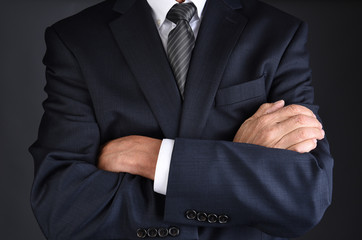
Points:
(141, 233)
(223, 219)
(152, 232)
(190, 214)
(173, 231)
(162, 232)
(212, 218)
(201, 217)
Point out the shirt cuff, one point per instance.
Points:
(163, 166)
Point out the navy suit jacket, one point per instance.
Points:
(108, 77)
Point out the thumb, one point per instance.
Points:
(267, 108)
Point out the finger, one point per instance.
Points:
(305, 146)
(271, 134)
(295, 122)
(275, 106)
(267, 108)
(290, 111)
(299, 135)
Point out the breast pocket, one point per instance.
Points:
(247, 92)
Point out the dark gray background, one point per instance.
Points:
(335, 45)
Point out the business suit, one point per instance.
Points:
(108, 77)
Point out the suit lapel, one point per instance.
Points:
(220, 29)
(139, 41)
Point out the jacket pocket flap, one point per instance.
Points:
(241, 92)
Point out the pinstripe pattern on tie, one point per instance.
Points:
(181, 41)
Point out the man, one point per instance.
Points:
(128, 149)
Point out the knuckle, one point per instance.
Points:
(268, 133)
(301, 148)
(301, 119)
(305, 146)
(265, 105)
(293, 108)
(261, 108)
(302, 134)
(263, 120)
(299, 109)
(316, 123)
(259, 123)
(265, 132)
(310, 145)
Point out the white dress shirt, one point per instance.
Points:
(160, 9)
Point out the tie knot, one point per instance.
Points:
(181, 11)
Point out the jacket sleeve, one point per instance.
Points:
(280, 192)
(71, 198)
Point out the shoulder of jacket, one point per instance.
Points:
(88, 18)
(262, 10)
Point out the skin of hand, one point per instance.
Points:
(132, 154)
(293, 127)
(274, 125)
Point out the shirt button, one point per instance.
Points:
(141, 233)
(190, 214)
(173, 231)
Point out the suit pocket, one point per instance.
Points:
(241, 92)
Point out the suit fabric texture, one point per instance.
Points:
(108, 76)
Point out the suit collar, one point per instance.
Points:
(141, 46)
(220, 29)
(219, 32)
(233, 4)
(123, 6)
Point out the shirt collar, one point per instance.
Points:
(160, 8)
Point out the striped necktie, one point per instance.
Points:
(181, 41)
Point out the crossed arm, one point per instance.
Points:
(274, 125)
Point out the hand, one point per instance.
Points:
(133, 154)
(293, 127)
